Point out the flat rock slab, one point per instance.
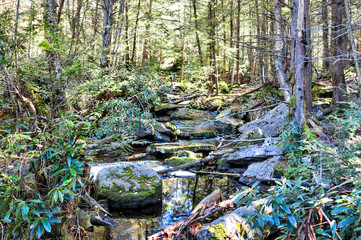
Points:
(190, 114)
(196, 129)
(271, 124)
(171, 148)
(246, 155)
(263, 169)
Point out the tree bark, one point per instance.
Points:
(238, 39)
(107, 38)
(278, 58)
(338, 49)
(308, 58)
(326, 50)
(197, 30)
(134, 52)
(146, 41)
(300, 66)
(352, 41)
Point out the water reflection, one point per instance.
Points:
(180, 196)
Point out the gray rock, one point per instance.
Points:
(226, 125)
(234, 226)
(271, 124)
(161, 137)
(247, 154)
(129, 185)
(144, 132)
(190, 114)
(165, 129)
(171, 148)
(196, 129)
(263, 169)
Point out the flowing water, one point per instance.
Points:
(180, 196)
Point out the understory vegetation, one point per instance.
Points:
(70, 83)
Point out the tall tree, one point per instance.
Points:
(325, 30)
(194, 5)
(107, 38)
(134, 51)
(278, 55)
(338, 50)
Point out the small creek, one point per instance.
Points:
(182, 191)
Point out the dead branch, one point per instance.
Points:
(92, 202)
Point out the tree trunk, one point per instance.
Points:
(231, 61)
(352, 42)
(146, 41)
(278, 58)
(338, 50)
(300, 66)
(134, 52)
(308, 58)
(52, 57)
(326, 50)
(197, 29)
(108, 21)
(238, 38)
(127, 49)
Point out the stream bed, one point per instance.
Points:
(180, 196)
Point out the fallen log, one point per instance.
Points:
(212, 156)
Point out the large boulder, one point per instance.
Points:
(271, 124)
(246, 155)
(262, 169)
(129, 185)
(234, 226)
(157, 132)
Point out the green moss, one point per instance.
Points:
(219, 232)
(177, 161)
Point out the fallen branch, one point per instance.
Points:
(211, 157)
(92, 202)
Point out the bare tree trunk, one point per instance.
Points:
(326, 50)
(147, 26)
(308, 58)
(107, 38)
(338, 50)
(52, 57)
(231, 61)
(61, 5)
(258, 32)
(238, 38)
(197, 29)
(352, 42)
(95, 19)
(127, 49)
(118, 33)
(134, 52)
(278, 58)
(300, 66)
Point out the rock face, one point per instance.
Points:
(129, 185)
(233, 226)
(270, 124)
(263, 169)
(247, 154)
(224, 123)
(190, 114)
(157, 132)
(196, 129)
(170, 149)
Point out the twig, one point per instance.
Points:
(91, 201)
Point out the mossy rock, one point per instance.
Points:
(196, 129)
(163, 108)
(190, 114)
(170, 149)
(129, 185)
(189, 154)
(177, 161)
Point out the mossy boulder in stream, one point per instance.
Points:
(196, 129)
(171, 148)
(177, 161)
(129, 185)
